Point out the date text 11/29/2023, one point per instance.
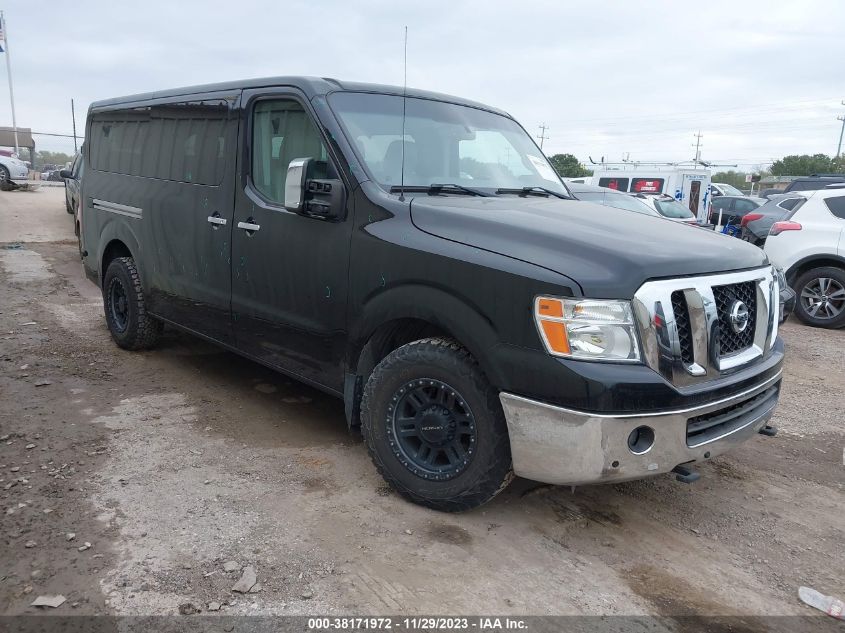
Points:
(420, 623)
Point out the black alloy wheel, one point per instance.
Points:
(118, 304)
(434, 426)
(432, 429)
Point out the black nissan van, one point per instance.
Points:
(416, 255)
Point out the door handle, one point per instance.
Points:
(216, 220)
(249, 227)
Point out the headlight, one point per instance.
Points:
(587, 329)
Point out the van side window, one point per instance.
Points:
(184, 142)
(282, 131)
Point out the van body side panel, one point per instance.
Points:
(165, 203)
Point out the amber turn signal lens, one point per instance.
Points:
(555, 332)
(550, 308)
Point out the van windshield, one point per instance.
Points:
(444, 143)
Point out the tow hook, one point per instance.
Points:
(769, 431)
(685, 475)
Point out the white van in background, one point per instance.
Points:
(689, 186)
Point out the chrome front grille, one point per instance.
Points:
(681, 312)
(692, 330)
(725, 296)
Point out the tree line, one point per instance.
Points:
(568, 166)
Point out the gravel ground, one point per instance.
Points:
(133, 483)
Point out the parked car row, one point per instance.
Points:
(655, 205)
(802, 232)
(731, 209)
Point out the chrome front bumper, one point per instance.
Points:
(561, 446)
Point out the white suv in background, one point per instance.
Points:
(809, 246)
(11, 168)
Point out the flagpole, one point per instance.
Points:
(9, 73)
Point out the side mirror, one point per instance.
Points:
(321, 198)
(66, 173)
(295, 184)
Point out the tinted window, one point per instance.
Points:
(812, 185)
(721, 203)
(744, 206)
(836, 206)
(281, 132)
(673, 209)
(185, 142)
(791, 203)
(620, 184)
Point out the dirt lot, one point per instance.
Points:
(171, 463)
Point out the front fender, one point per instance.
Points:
(457, 316)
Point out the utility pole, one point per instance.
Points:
(698, 138)
(841, 131)
(4, 40)
(543, 136)
(73, 116)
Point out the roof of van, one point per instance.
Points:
(311, 86)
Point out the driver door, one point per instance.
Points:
(289, 271)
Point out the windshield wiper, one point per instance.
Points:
(437, 188)
(537, 191)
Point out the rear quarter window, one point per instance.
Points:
(836, 206)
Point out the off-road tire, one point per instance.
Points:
(141, 330)
(489, 471)
(807, 278)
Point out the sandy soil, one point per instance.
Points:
(173, 462)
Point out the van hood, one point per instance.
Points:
(609, 252)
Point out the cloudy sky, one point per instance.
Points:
(639, 78)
